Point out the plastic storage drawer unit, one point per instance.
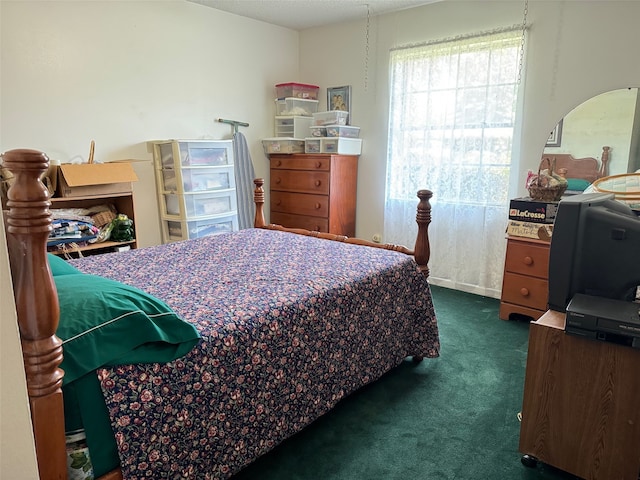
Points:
(293, 127)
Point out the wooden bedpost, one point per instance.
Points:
(28, 227)
(604, 162)
(422, 250)
(258, 199)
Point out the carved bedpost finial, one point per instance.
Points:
(423, 218)
(604, 162)
(36, 299)
(258, 199)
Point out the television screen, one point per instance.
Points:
(595, 250)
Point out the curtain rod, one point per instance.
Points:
(458, 37)
(235, 123)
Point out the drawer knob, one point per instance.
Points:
(278, 180)
(278, 163)
(318, 206)
(318, 182)
(318, 164)
(524, 292)
(528, 260)
(278, 202)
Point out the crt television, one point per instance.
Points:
(595, 250)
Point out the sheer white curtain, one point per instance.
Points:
(451, 130)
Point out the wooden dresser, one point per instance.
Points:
(314, 191)
(525, 289)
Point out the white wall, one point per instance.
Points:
(575, 50)
(126, 72)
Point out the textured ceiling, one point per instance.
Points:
(301, 14)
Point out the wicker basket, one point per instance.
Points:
(546, 193)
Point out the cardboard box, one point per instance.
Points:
(528, 210)
(95, 179)
(539, 231)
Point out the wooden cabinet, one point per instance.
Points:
(196, 188)
(315, 192)
(580, 407)
(123, 203)
(525, 289)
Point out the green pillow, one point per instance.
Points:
(60, 266)
(104, 322)
(577, 184)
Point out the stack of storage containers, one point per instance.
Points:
(331, 134)
(295, 105)
(196, 188)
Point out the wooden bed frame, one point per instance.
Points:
(28, 224)
(587, 168)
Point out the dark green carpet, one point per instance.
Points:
(454, 417)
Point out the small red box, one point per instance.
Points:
(298, 90)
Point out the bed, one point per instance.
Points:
(278, 325)
(579, 172)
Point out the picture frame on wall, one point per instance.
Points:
(555, 138)
(339, 98)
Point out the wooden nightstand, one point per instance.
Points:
(525, 289)
(315, 192)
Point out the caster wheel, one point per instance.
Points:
(417, 359)
(529, 461)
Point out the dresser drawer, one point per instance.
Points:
(300, 181)
(527, 259)
(307, 222)
(300, 203)
(288, 162)
(527, 291)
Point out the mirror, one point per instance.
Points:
(611, 119)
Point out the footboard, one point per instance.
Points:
(421, 252)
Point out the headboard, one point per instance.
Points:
(587, 168)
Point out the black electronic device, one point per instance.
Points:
(595, 250)
(604, 319)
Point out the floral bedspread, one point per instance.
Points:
(290, 325)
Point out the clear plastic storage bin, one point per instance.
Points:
(195, 152)
(184, 230)
(201, 204)
(331, 117)
(283, 145)
(299, 90)
(199, 179)
(296, 106)
(318, 131)
(343, 131)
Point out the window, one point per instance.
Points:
(451, 129)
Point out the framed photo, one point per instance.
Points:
(339, 98)
(556, 136)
